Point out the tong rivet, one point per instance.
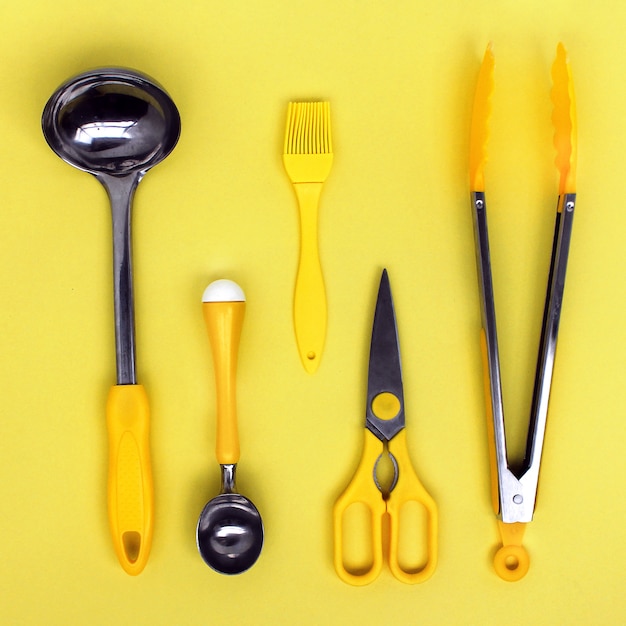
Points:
(569, 206)
(479, 204)
(518, 499)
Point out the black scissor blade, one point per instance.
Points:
(385, 369)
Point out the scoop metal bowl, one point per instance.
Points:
(230, 532)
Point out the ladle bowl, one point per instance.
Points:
(111, 121)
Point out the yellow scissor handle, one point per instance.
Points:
(413, 541)
(357, 518)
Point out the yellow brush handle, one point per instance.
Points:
(410, 489)
(224, 321)
(130, 490)
(361, 490)
(309, 307)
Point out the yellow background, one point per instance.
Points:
(400, 77)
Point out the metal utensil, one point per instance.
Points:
(116, 124)
(229, 534)
(514, 490)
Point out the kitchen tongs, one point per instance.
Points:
(514, 492)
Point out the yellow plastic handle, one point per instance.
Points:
(511, 561)
(309, 306)
(416, 560)
(224, 321)
(362, 491)
(130, 489)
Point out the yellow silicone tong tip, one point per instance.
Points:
(564, 120)
(479, 133)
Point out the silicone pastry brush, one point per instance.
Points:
(514, 492)
(308, 158)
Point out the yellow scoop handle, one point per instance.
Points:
(130, 490)
(224, 321)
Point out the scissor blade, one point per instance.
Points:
(385, 369)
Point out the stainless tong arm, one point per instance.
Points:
(510, 490)
(516, 496)
(549, 332)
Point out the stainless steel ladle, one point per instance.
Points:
(116, 124)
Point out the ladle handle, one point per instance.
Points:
(130, 490)
(224, 321)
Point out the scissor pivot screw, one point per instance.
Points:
(518, 498)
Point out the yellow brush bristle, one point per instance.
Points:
(479, 133)
(564, 120)
(308, 128)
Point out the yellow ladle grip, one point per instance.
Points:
(130, 489)
(224, 321)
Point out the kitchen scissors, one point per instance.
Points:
(385, 434)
